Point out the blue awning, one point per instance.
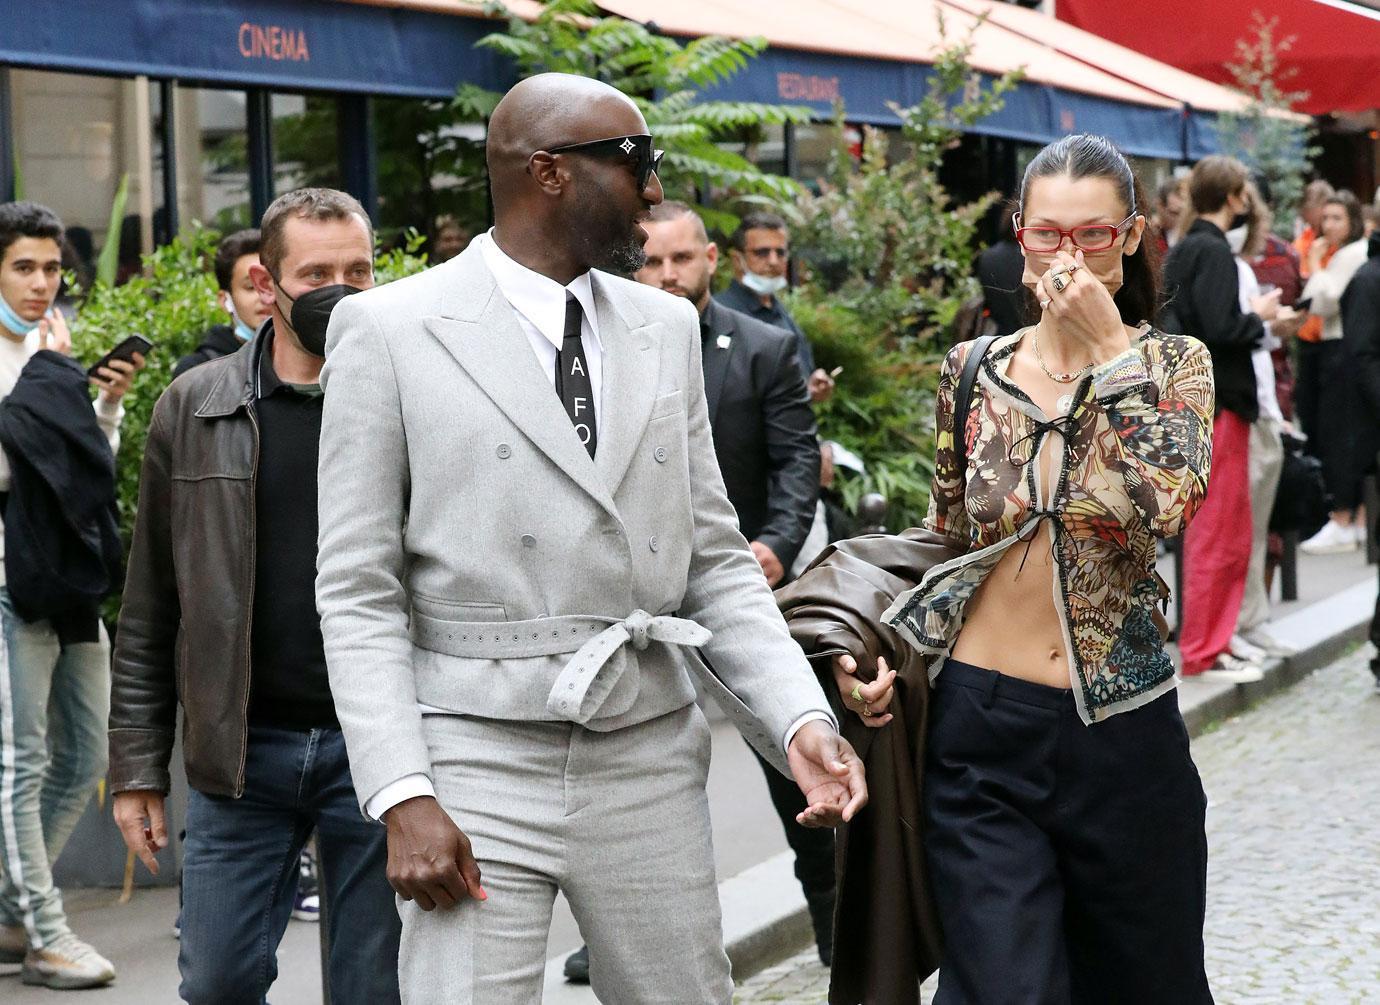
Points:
(307, 45)
(1033, 113)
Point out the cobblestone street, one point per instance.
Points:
(1294, 874)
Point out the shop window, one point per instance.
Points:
(305, 151)
(72, 140)
(212, 157)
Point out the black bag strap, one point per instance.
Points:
(963, 400)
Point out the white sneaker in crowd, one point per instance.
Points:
(1239, 646)
(1271, 646)
(67, 964)
(1334, 539)
(1234, 670)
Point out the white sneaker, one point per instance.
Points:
(1234, 670)
(67, 964)
(1334, 539)
(1270, 645)
(1239, 646)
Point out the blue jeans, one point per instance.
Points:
(54, 706)
(240, 867)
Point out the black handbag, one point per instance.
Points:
(1301, 503)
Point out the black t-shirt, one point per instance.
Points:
(288, 683)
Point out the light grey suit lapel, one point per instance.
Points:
(480, 329)
(631, 365)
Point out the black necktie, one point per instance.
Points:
(572, 377)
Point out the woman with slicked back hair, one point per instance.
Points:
(1061, 818)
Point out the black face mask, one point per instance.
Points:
(311, 313)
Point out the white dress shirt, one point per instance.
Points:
(539, 303)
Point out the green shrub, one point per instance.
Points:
(890, 262)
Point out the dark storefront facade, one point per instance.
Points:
(210, 108)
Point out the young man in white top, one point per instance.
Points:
(54, 689)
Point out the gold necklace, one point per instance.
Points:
(1058, 378)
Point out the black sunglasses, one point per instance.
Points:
(639, 146)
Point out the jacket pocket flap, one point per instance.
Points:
(458, 610)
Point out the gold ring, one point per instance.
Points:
(867, 712)
(856, 695)
(1058, 282)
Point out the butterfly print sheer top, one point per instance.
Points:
(1131, 465)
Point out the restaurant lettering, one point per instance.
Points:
(272, 42)
(800, 87)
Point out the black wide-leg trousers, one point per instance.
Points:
(1069, 862)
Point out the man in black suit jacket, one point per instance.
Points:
(759, 411)
(764, 436)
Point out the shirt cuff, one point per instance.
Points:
(808, 717)
(1120, 375)
(112, 412)
(407, 787)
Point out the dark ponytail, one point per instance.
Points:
(1087, 156)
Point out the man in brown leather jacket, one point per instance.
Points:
(220, 615)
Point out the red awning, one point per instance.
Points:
(1336, 47)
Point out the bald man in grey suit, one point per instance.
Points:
(527, 560)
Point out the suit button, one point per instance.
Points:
(528, 541)
(504, 451)
(654, 544)
(660, 454)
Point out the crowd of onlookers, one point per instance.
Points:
(1289, 310)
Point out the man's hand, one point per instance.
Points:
(115, 378)
(429, 858)
(54, 334)
(139, 815)
(829, 773)
(821, 385)
(771, 565)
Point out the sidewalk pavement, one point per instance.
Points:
(765, 919)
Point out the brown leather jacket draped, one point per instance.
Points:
(184, 631)
(886, 938)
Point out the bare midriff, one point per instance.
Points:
(1011, 624)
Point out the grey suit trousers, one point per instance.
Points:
(618, 821)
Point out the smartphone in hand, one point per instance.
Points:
(124, 351)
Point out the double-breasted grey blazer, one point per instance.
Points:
(474, 558)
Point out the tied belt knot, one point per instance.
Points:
(582, 689)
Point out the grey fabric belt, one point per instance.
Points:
(585, 682)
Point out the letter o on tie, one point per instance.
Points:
(582, 431)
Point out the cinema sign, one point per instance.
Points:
(273, 42)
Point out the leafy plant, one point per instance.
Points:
(109, 261)
(890, 259)
(1264, 137)
(666, 77)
